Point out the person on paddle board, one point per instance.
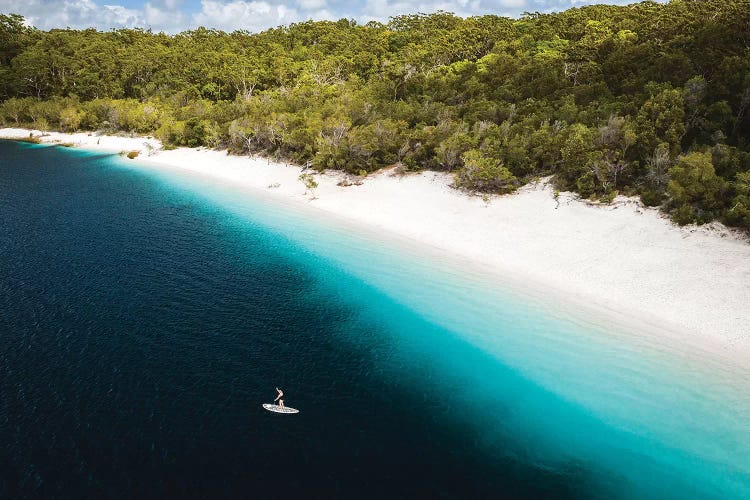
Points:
(278, 398)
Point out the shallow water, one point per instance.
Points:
(147, 313)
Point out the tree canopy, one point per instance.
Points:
(650, 99)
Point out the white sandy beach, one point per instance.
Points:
(622, 257)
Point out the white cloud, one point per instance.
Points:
(162, 17)
(171, 4)
(513, 4)
(312, 4)
(73, 13)
(241, 15)
(321, 15)
(80, 14)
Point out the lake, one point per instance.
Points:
(146, 314)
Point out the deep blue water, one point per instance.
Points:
(145, 315)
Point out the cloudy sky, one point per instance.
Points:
(253, 15)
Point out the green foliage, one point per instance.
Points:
(483, 174)
(13, 110)
(661, 121)
(576, 157)
(586, 185)
(449, 153)
(606, 98)
(695, 189)
(15, 37)
(684, 214)
(194, 133)
(70, 119)
(739, 213)
(309, 181)
(652, 198)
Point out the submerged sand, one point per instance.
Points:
(622, 257)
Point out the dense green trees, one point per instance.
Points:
(694, 188)
(484, 174)
(650, 99)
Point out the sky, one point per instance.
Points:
(174, 16)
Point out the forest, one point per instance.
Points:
(649, 100)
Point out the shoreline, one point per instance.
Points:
(688, 284)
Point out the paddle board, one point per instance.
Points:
(279, 409)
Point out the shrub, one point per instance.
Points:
(739, 212)
(41, 124)
(586, 184)
(195, 133)
(608, 197)
(683, 215)
(652, 198)
(694, 183)
(483, 174)
(309, 181)
(70, 119)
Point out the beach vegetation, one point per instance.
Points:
(651, 99)
(41, 124)
(695, 189)
(70, 119)
(739, 213)
(484, 174)
(309, 182)
(12, 111)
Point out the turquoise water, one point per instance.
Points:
(416, 375)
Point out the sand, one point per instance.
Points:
(621, 257)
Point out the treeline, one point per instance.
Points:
(649, 99)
